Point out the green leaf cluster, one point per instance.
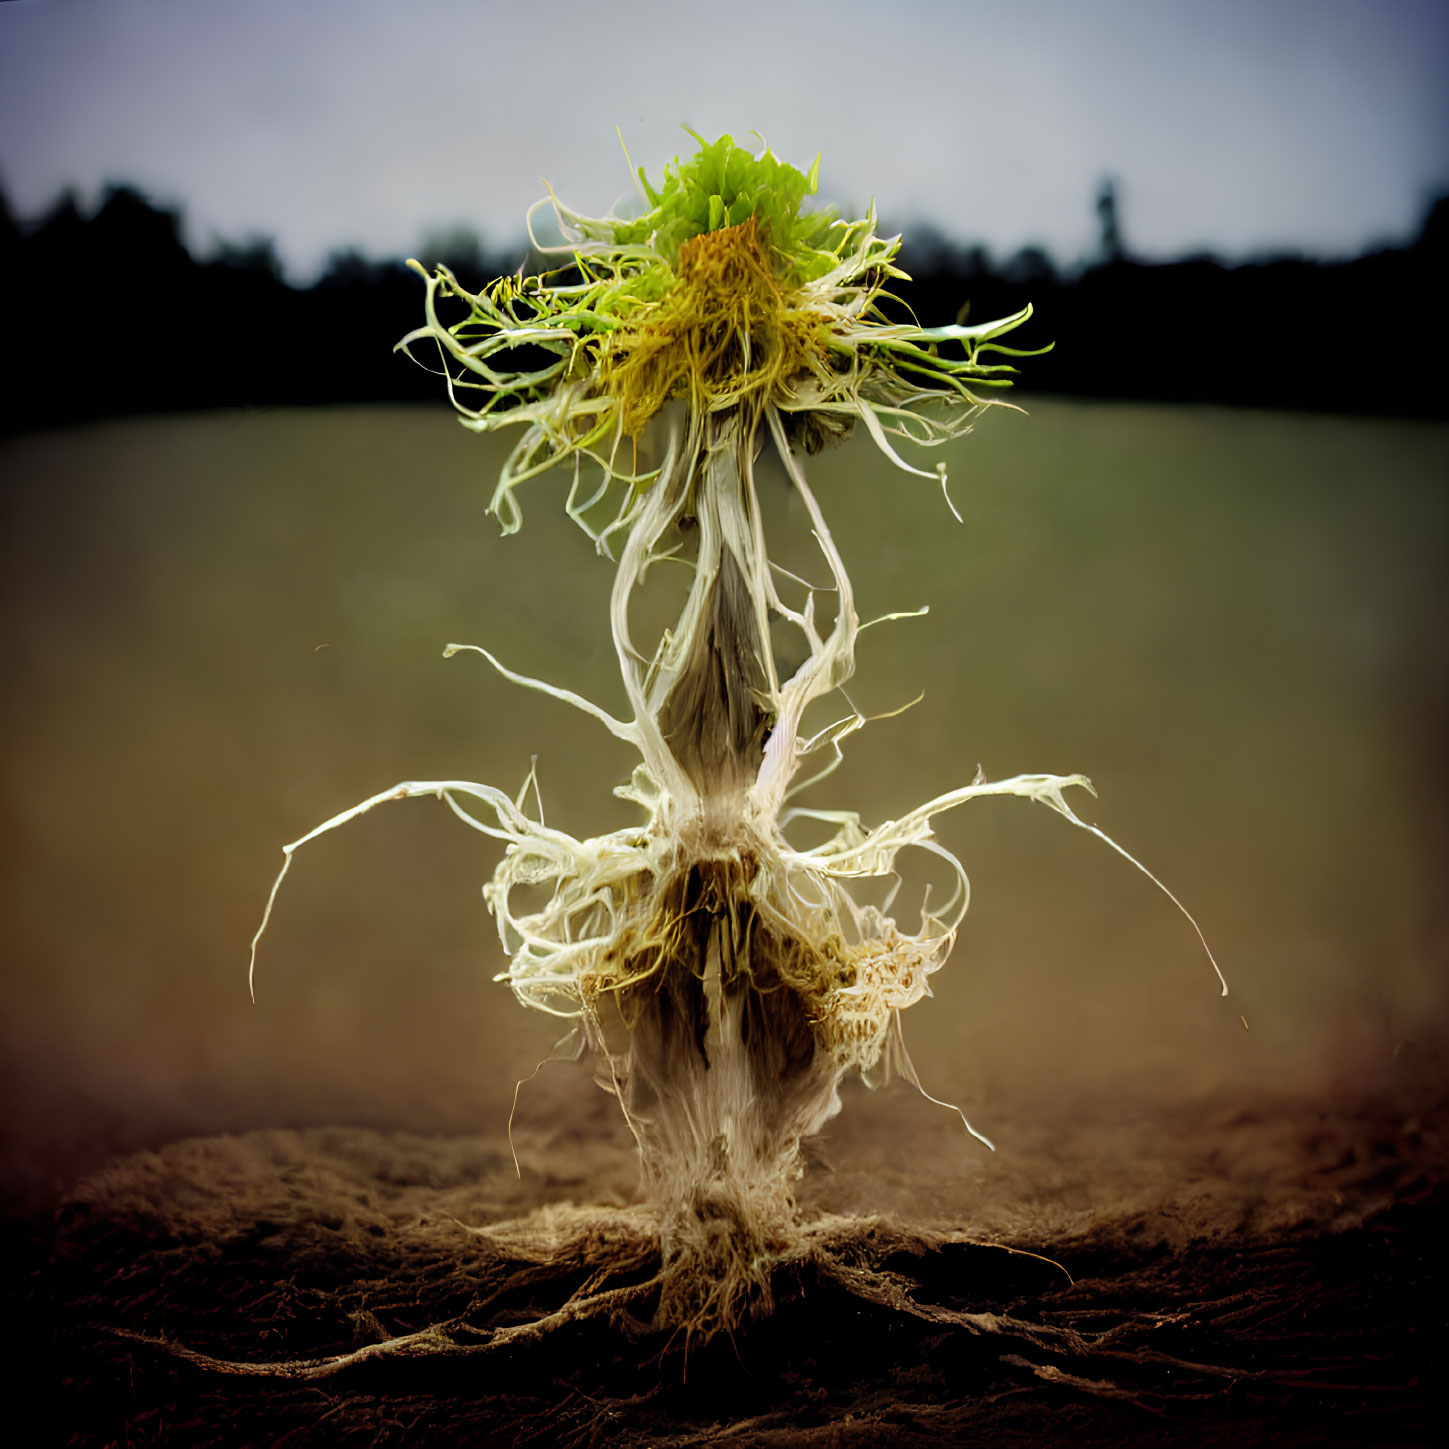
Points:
(558, 354)
(721, 185)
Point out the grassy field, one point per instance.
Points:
(223, 629)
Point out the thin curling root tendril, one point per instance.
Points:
(725, 980)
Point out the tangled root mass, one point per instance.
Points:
(725, 980)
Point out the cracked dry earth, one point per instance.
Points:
(1218, 1272)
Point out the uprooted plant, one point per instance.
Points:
(725, 979)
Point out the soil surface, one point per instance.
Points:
(1221, 1272)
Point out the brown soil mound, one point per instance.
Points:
(1224, 1275)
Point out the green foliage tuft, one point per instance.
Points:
(722, 185)
(566, 355)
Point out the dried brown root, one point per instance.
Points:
(438, 1338)
(837, 1271)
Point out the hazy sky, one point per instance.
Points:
(1238, 125)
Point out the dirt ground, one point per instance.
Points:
(1234, 1272)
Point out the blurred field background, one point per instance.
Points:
(222, 629)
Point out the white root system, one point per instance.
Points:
(725, 980)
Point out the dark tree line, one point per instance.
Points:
(110, 314)
(1360, 336)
